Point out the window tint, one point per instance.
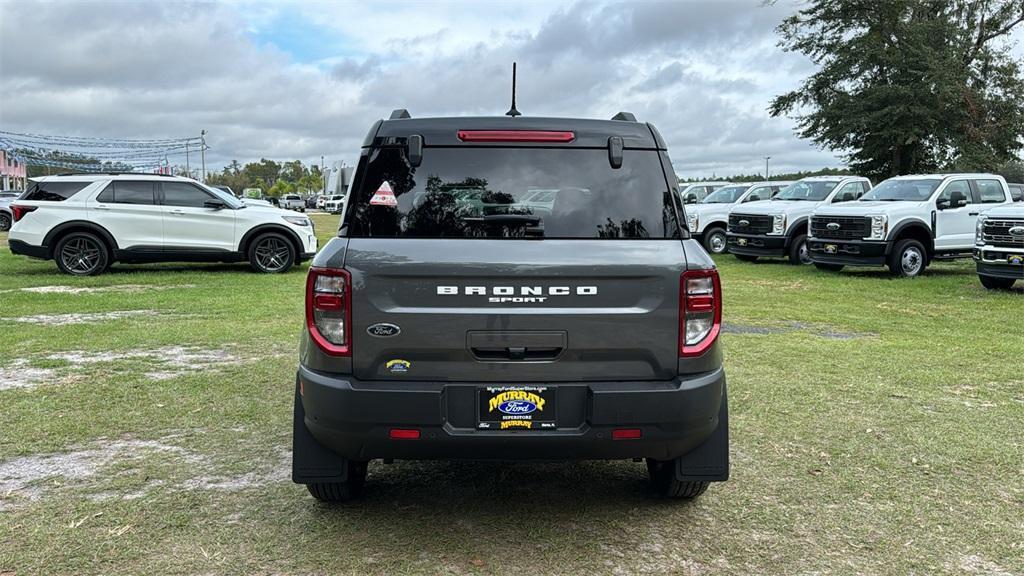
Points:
(958, 187)
(1017, 192)
(128, 192)
(849, 191)
(53, 191)
(183, 194)
(472, 193)
(991, 191)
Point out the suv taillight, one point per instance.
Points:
(700, 311)
(329, 309)
(20, 211)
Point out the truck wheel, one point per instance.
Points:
(341, 491)
(907, 259)
(745, 258)
(828, 267)
(81, 254)
(663, 478)
(5, 222)
(271, 253)
(993, 283)
(799, 253)
(714, 241)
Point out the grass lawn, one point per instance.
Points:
(877, 428)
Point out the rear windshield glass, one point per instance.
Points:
(53, 191)
(512, 193)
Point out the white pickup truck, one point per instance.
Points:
(293, 202)
(708, 219)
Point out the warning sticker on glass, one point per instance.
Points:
(384, 196)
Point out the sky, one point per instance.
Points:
(303, 80)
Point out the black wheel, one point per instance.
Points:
(828, 267)
(663, 478)
(715, 241)
(81, 254)
(745, 258)
(993, 283)
(799, 253)
(341, 491)
(271, 253)
(5, 221)
(907, 259)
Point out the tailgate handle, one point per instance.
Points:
(515, 353)
(516, 346)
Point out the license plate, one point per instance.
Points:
(516, 408)
(1015, 259)
(741, 241)
(831, 248)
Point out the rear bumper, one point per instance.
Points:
(22, 248)
(847, 252)
(353, 418)
(756, 245)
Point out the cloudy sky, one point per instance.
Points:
(301, 80)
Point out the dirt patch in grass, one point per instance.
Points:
(824, 331)
(83, 317)
(19, 374)
(116, 289)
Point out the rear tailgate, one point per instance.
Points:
(515, 310)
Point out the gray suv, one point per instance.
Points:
(452, 319)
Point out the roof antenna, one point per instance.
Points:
(512, 111)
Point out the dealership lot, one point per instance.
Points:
(146, 415)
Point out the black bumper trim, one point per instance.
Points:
(353, 418)
(22, 248)
(757, 244)
(1000, 270)
(848, 252)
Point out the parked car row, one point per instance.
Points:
(905, 223)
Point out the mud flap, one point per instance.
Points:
(311, 461)
(708, 462)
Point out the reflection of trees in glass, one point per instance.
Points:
(668, 215)
(632, 228)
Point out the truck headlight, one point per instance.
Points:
(691, 222)
(879, 227)
(979, 231)
(298, 220)
(778, 224)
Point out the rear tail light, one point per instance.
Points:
(700, 311)
(329, 309)
(515, 136)
(627, 434)
(20, 211)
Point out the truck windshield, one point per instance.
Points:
(893, 190)
(808, 191)
(725, 195)
(496, 192)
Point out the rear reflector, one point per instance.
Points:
(516, 136)
(20, 211)
(627, 434)
(404, 434)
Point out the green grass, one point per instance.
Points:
(895, 449)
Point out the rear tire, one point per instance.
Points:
(993, 283)
(81, 254)
(828, 267)
(799, 253)
(271, 253)
(5, 221)
(908, 259)
(745, 258)
(663, 479)
(347, 491)
(715, 241)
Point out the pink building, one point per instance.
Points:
(13, 174)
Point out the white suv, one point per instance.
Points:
(87, 222)
(708, 219)
(778, 227)
(906, 222)
(334, 204)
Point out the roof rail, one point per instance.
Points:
(113, 174)
(399, 114)
(625, 117)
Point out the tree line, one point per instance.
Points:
(274, 178)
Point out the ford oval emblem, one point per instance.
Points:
(832, 226)
(744, 222)
(1017, 230)
(517, 407)
(383, 330)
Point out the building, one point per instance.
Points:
(13, 174)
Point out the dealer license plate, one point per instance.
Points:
(516, 408)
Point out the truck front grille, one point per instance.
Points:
(997, 233)
(849, 227)
(755, 224)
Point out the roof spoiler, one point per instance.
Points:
(625, 117)
(399, 114)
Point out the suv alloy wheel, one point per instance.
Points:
(271, 254)
(81, 254)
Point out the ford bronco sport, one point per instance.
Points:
(448, 320)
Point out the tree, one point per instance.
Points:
(908, 86)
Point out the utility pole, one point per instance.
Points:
(188, 172)
(202, 152)
(766, 159)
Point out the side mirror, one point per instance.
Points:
(690, 199)
(957, 199)
(214, 204)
